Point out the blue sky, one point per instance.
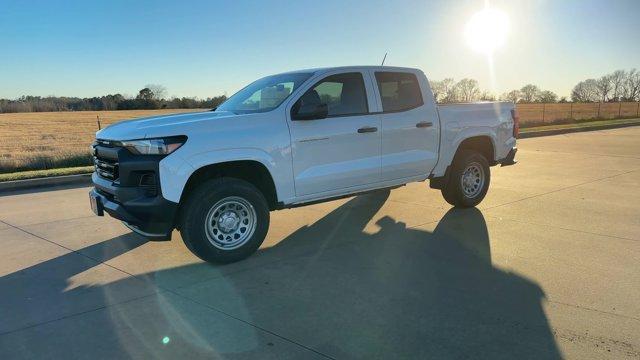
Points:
(207, 48)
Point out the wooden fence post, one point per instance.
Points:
(638, 110)
(571, 111)
(620, 110)
(598, 116)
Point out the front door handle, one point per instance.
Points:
(424, 124)
(367, 129)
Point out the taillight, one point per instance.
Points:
(516, 122)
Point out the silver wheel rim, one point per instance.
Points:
(472, 180)
(230, 223)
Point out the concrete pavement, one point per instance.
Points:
(547, 267)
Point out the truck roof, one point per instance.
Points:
(355, 68)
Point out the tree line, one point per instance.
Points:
(150, 97)
(620, 85)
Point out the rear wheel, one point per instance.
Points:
(224, 220)
(468, 181)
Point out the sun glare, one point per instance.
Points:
(487, 30)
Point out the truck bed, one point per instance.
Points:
(476, 113)
(462, 121)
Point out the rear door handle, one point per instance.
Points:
(424, 124)
(367, 129)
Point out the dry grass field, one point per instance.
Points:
(34, 141)
(540, 114)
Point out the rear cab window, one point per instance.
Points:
(399, 91)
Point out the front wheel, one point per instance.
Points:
(468, 181)
(224, 220)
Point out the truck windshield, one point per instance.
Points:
(265, 94)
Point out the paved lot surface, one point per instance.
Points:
(547, 267)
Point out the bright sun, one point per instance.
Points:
(487, 30)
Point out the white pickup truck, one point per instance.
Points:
(288, 140)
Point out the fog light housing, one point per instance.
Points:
(148, 181)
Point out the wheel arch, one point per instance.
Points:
(251, 171)
(483, 143)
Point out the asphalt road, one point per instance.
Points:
(547, 267)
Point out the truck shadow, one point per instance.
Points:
(337, 286)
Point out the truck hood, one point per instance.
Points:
(156, 126)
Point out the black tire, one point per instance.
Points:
(196, 209)
(453, 192)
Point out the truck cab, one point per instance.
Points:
(291, 139)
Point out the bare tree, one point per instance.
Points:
(487, 96)
(529, 93)
(513, 96)
(620, 85)
(443, 90)
(448, 85)
(585, 91)
(604, 87)
(436, 89)
(467, 90)
(159, 91)
(547, 96)
(631, 86)
(617, 79)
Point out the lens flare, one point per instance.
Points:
(487, 30)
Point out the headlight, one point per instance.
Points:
(160, 146)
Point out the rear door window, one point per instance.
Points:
(399, 91)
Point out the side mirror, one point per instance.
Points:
(316, 112)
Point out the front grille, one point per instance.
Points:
(105, 159)
(107, 169)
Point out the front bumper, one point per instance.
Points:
(152, 217)
(132, 193)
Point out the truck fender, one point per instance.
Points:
(174, 178)
(448, 149)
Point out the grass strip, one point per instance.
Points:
(33, 174)
(580, 125)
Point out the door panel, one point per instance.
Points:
(410, 126)
(407, 150)
(330, 154)
(339, 151)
